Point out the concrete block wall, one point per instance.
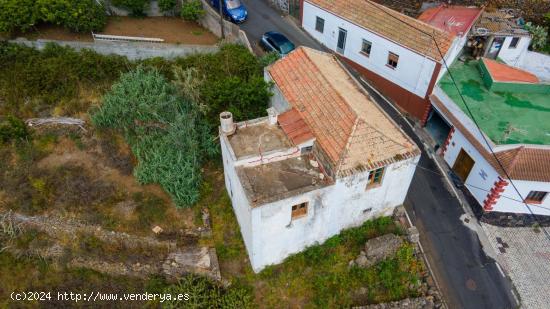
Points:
(133, 51)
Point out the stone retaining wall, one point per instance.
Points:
(133, 51)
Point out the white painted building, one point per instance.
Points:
(399, 58)
(325, 159)
(467, 153)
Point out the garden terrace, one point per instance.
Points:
(506, 117)
(171, 29)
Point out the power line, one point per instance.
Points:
(476, 187)
(547, 234)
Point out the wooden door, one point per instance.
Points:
(463, 165)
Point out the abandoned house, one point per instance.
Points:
(325, 158)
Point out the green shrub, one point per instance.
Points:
(191, 10)
(166, 132)
(13, 128)
(539, 36)
(17, 15)
(136, 7)
(269, 58)
(33, 83)
(76, 15)
(167, 5)
(231, 79)
(203, 293)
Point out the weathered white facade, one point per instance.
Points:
(483, 177)
(325, 159)
(414, 71)
(514, 56)
(269, 232)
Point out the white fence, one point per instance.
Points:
(121, 38)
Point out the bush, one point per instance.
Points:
(191, 10)
(269, 58)
(204, 293)
(231, 79)
(13, 128)
(166, 133)
(136, 7)
(539, 34)
(167, 5)
(76, 15)
(33, 83)
(17, 15)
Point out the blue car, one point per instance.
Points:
(232, 9)
(274, 41)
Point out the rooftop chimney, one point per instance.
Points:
(226, 120)
(272, 115)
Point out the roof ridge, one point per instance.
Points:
(327, 81)
(515, 159)
(348, 143)
(442, 32)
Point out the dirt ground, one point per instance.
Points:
(172, 29)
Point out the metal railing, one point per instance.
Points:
(120, 38)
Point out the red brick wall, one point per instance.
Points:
(407, 101)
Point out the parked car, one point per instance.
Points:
(232, 9)
(274, 41)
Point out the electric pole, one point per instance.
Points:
(221, 18)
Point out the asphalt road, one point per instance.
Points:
(468, 278)
(263, 18)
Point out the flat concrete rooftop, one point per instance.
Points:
(275, 181)
(506, 117)
(256, 138)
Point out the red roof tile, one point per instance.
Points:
(399, 28)
(295, 127)
(347, 125)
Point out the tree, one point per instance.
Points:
(167, 5)
(539, 34)
(136, 7)
(192, 10)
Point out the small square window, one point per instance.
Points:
(366, 47)
(536, 197)
(514, 42)
(393, 59)
(375, 178)
(320, 24)
(299, 210)
(306, 150)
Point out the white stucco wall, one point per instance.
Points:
(538, 64)
(452, 54)
(510, 200)
(413, 71)
(483, 176)
(345, 204)
(514, 56)
(241, 205)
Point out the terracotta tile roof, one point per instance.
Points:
(504, 73)
(295, 127)
(498, 23)
(386, 22)
(521, 163)
(525, 163)
(348, 126)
